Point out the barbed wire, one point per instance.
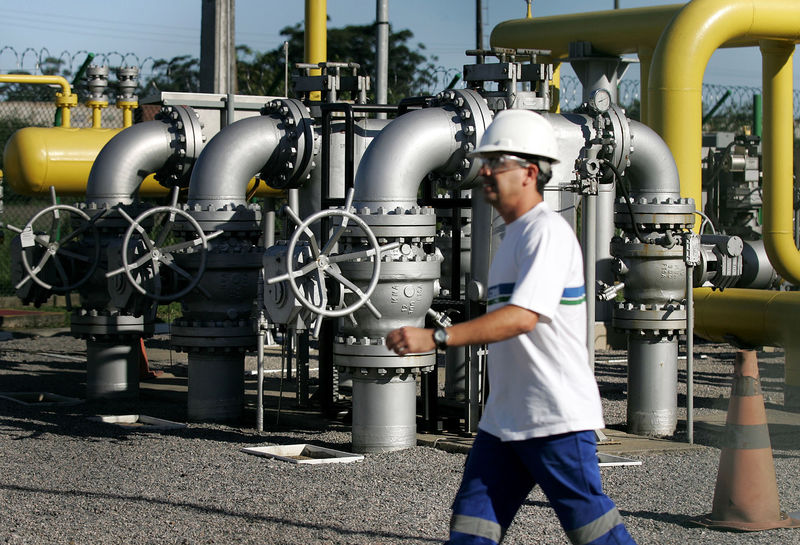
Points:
(31, 60)
(739, 97)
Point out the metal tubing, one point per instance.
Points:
(384, 413)
(382, 54)
(64, 100)
(757, 318)
(400, 157)
(123, 163)
(680, 58)
(615, 32)
(652, 385)
(112, 370)
(589, 223)
(777, 156)
(216, 387)
(228, 162)
(653, 172)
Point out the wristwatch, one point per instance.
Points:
(440, 337)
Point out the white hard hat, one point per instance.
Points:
(519, 132)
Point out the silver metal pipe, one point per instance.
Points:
(652, 172)
(400, 157)
(126, 160)
(384, 412)
(589, 223)
(382, 54)
(228, 162)
(652, 385)
(112, 370)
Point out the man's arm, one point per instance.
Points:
(498, 325)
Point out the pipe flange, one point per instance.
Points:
(111, 221)
(412, 222)
(623, 138)
(127, 82)
(377, 373)
(666, 319)
(473, 114)
(213, 336)
(371, 353)
(629, 247)
(187, 142)
(669, 213)
(94, 323)
(97, 83)
(232, 218)
(291, 163)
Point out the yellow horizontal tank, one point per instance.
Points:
(36, 158)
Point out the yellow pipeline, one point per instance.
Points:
(615, 32)
(64, 100)
(680, 58)
(756, 317)
(37, 157)
(777, 158)
(316, 37)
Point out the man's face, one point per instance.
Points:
(502, 177)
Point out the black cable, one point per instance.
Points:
(621, 180)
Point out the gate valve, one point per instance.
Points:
(153, 249)
(323, 263)
(52, 238)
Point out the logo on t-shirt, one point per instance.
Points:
(500, 293)
(573, 296)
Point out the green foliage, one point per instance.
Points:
(262, 73)
(177, 74)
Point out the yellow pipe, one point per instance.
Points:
(681, 56)
(615, 32)
(127, 107)
(37, 157)
(97, 112)
(64, 100)
(755, 317)
(316, 37)
(777, 159)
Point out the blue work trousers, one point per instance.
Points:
(499, 475)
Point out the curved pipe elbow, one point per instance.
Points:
(126, 160)
(231, 159)
(400, 157)
(652, 169)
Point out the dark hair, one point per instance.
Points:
(545, 173)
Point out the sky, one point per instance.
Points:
(169, 28)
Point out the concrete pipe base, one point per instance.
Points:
(216, 387)
(652, 385)
(112, 370)
(384, 411)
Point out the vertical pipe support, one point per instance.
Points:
(315, 41)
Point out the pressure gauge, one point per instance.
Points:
(600, 100)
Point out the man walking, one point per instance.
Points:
(543, 405)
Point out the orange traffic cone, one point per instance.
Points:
(746, 493)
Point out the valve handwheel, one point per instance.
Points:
(58, 239)
(323, 263)
(157, 252)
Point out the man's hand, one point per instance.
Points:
(410, 340)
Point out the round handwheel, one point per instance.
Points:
(59, 242)
(157, 252)
(323, 261)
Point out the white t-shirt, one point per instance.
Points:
(541, 383)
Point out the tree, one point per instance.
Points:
(178, 74)
(262, 73)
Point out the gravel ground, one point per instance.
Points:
(66, 479)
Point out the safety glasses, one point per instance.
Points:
(502, 163)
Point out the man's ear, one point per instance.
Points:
(533, 173)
